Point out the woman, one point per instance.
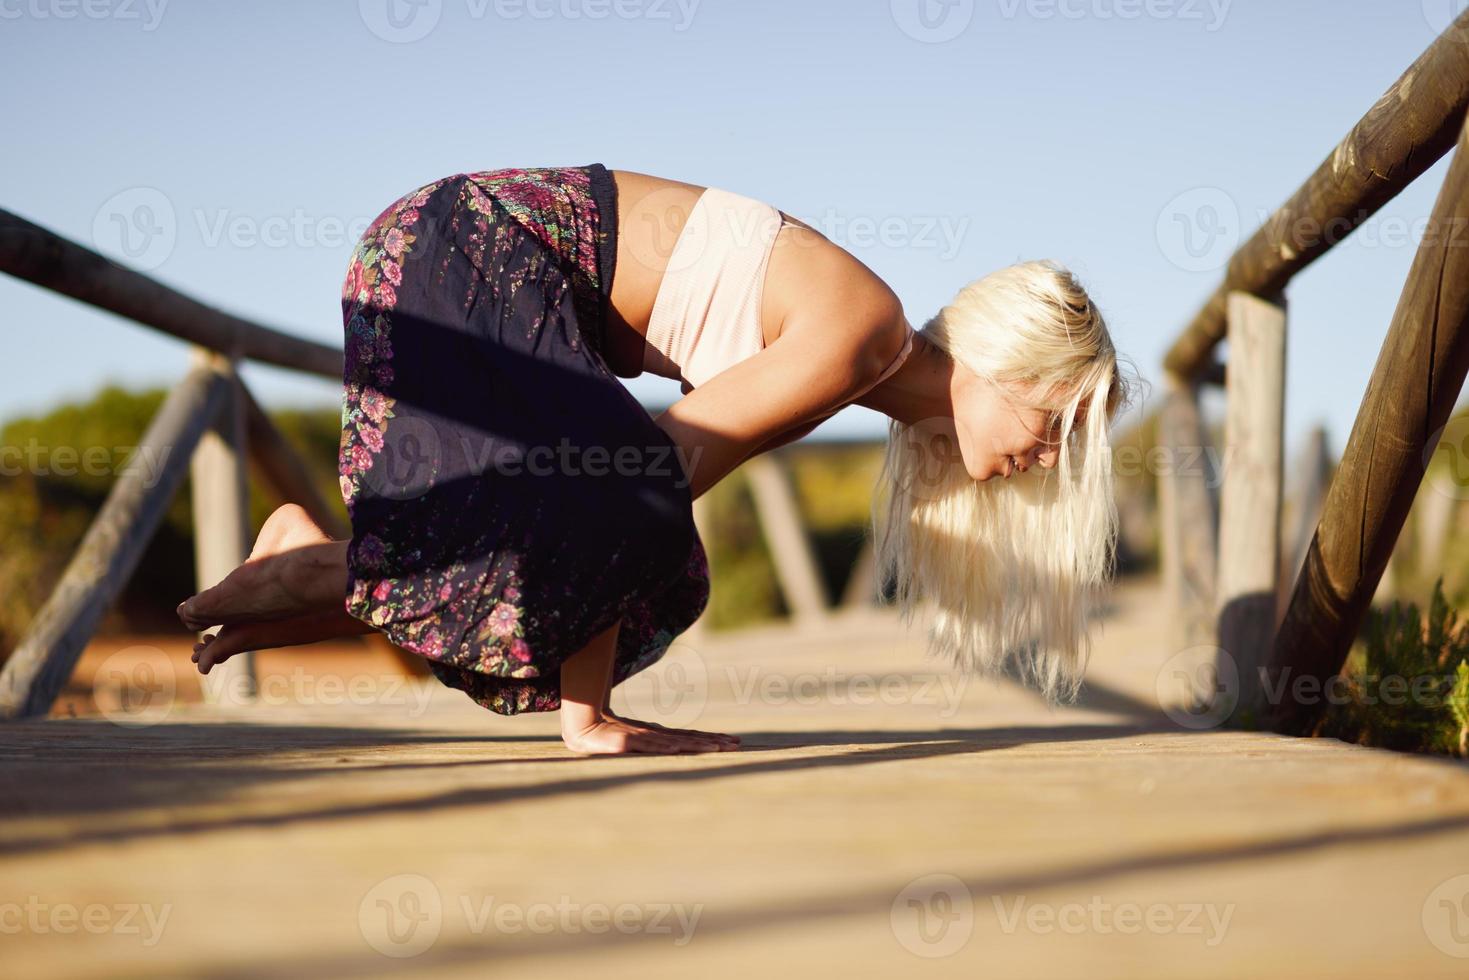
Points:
(519, 520)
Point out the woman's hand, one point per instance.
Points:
(588, 726)
(611, 735)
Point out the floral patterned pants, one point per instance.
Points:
(510, 499)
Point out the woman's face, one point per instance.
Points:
(998, 435)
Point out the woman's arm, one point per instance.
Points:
(824, 358)
(786, 438)
(782, 439)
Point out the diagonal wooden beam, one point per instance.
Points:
(1419, 374)
(111, 548)
(285, 472)
(785, 534)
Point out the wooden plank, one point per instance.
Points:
(1249, 504)
(110, 550)
(785, 534)
(1414, 385)
(221, 494)
(1409, 130)
(37, 255)
(863, 588)
(1188, 517)
(292, 829)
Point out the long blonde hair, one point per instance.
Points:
(1014, 569)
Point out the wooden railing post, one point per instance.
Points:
(1313, 473)
(1417, 380)
(221, 492)
(1249, 502)
(1435, 521)
(785, 534)
(1187, 516)
(863, 589)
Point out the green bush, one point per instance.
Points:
(1426, 707)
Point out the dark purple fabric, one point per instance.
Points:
(510, 499)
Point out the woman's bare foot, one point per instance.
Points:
(295, 569)
(235, 638)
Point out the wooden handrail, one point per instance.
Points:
(1420, 370)
(1410, 129)
(37, 255)
(1410, 397)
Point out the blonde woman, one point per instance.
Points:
(520, 521)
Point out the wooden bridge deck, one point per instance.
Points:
(876, 824)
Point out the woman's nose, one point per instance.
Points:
(1047, 458)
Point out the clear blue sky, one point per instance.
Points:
(993, 131)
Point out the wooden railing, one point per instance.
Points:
(1222, 558)
(211, 427)
(208, 424)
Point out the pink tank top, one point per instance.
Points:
(706, 316)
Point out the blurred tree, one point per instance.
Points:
(55, 472)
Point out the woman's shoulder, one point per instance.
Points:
(819, 285)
